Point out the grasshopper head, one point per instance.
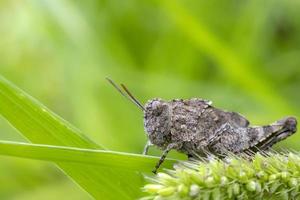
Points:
(157, 122)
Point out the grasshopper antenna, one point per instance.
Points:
(132, 97)
(129, 97)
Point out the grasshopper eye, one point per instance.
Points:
(158, 111)
(155, 105)
(159, 108)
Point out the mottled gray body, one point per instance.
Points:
(194, 127)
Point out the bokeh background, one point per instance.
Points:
(242, 55)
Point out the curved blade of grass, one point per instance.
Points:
(103, 158)
(238, 71)
(39, 125)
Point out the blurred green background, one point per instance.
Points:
(242, 55)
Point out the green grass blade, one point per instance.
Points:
(236, 69)
(36, 122)
(39, 125)
(103, 158)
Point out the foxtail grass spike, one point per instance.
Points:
(265, 176)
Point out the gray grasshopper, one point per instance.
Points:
(195, 127)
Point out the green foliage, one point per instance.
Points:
(242, 55)
(272, 176)
(39, 125)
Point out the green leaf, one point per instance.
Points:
(103, 158)
(39, 125)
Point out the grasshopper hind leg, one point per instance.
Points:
(274, 133)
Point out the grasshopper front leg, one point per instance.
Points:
(146, 148)
(164, 155)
